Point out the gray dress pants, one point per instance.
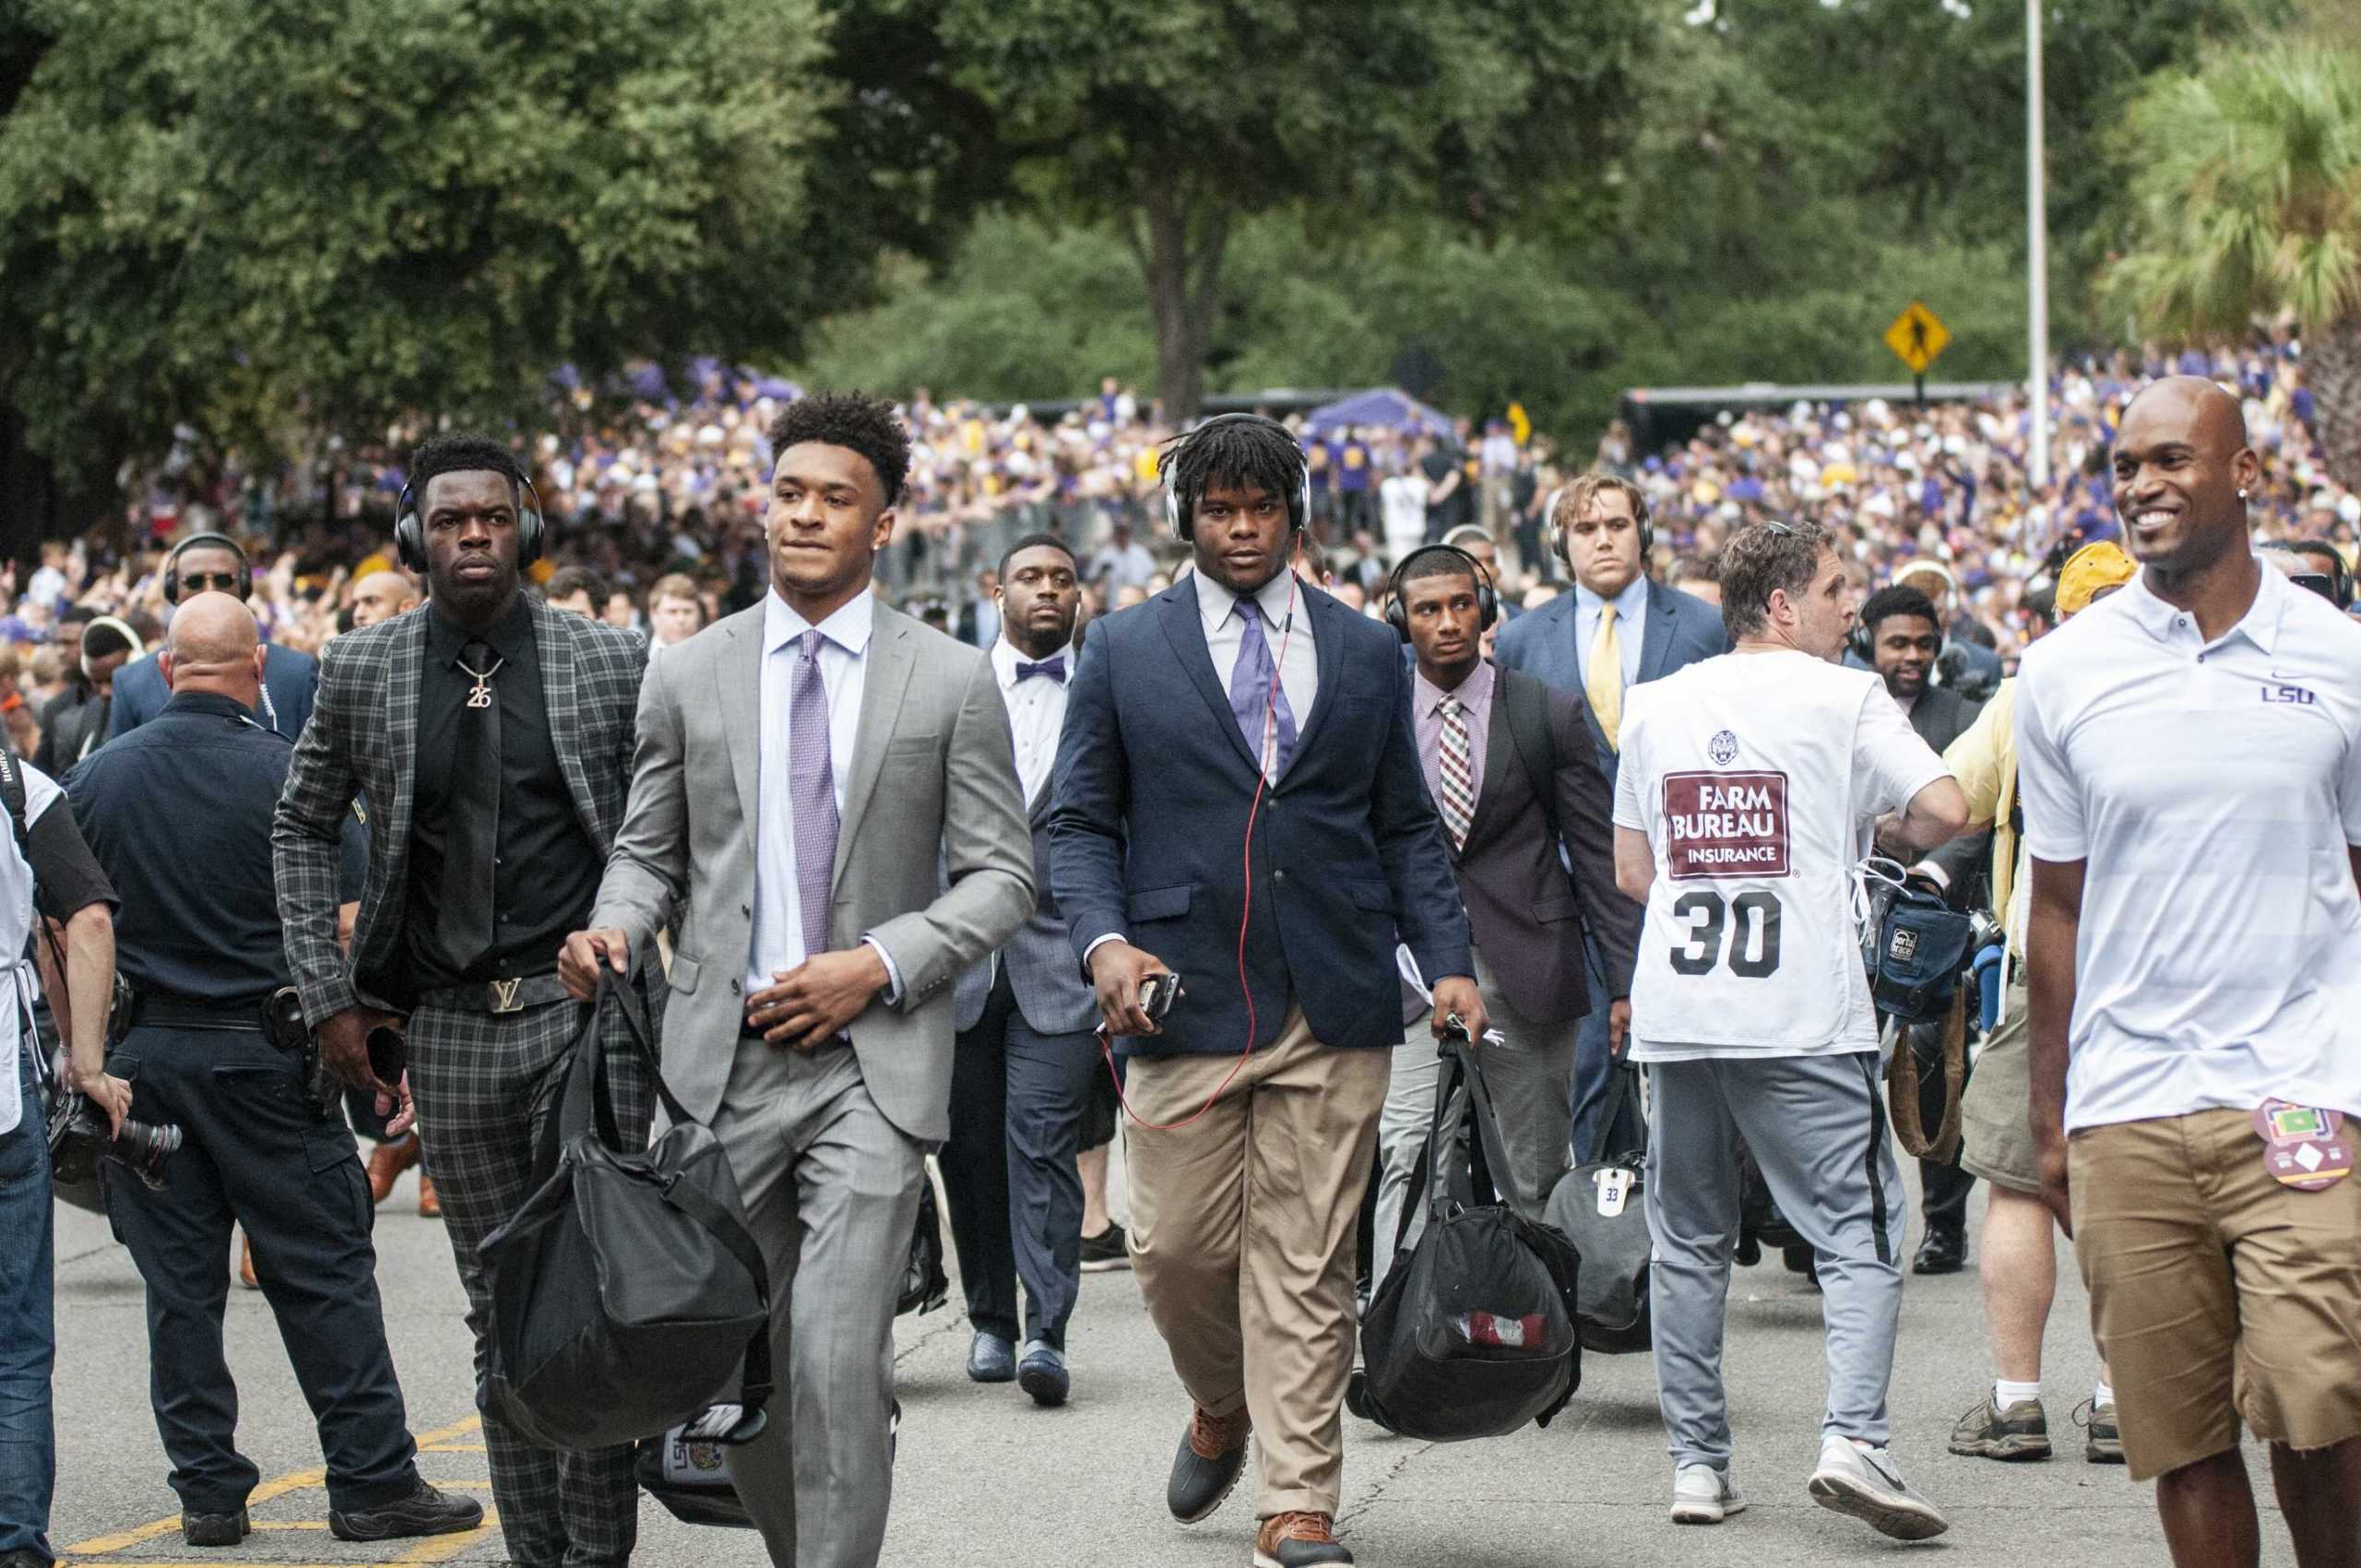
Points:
(831, 1189)
(1530, 1075)
(1815, 1125)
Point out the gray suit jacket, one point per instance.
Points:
(1051, 991)
(933, 780)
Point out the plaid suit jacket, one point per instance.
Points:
(362, 740)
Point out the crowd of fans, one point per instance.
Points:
(657, 504)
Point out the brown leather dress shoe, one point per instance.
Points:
(1298, 1540)
(428, 1206)
(386, 1165)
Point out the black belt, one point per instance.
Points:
(184, 1013)
(499, 996)
(747, 1031)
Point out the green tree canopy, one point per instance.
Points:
(1167, 122)
(269, 217)
(2245, 196)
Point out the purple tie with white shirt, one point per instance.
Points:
(1257, 698)
(812, 787)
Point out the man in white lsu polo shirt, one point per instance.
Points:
(2189, 756)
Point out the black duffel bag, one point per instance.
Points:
(1611, 1295)
(627, 1289)
(1472, 1334)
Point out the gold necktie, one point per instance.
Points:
(1605, 683)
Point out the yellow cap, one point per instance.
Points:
(2090, 571)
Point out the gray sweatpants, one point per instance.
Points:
(1816, 1126)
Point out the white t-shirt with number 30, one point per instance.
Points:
(1757, 778)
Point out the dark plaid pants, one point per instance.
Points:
(483, 1085)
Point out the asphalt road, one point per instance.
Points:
(986, 1479)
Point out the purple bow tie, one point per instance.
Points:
(1055, 669)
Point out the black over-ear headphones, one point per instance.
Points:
(1298, 504)
(1554, 537)
(1487, 600)
(410, 534)
(217, 541)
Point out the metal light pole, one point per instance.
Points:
(2036, 259)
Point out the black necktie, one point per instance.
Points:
(471, 826)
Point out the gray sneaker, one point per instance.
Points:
(1703, 1495)
(2021, 1432)
(2105, 1444)
(1868, 1484)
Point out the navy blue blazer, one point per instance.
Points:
(1680, 630)
(1148, 832)
(289, 679)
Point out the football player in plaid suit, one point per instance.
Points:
(490, 737)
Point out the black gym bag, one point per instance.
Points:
(1472, 1334)
(626, 1290)
(1611, 1300)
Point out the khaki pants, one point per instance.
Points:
(1243, 1226)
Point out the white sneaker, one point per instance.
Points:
(1867, 1484)
(1703, 1495)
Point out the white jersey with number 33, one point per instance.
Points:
(1757, 778)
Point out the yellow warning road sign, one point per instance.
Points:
(1916, 336)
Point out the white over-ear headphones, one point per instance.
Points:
(138, 648)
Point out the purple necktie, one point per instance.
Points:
(812, 787)
(1255, 690)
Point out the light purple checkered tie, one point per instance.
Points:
(812, 787)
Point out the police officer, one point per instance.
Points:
(178, 812)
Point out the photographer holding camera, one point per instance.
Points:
(45, 866)
(179, 813)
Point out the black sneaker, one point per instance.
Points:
(425, 1511)
(2021, 1432)
(24, 1557)
(2105, 1444)
(1108, 1250)
(1943, 1251)
(1212, 1455)
(214, 1529)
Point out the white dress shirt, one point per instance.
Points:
(1291, 651)
(1631, 626)
(1037, 711)
(780, 942)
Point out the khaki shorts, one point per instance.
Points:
(2215, 1292)
(1996, 1109)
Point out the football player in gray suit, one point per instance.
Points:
(1022, 1074)
(806, 770)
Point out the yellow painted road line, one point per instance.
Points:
(124, 1540)
(442, 1549)
(451, 1448)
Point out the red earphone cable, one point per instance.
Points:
(1261, 785)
